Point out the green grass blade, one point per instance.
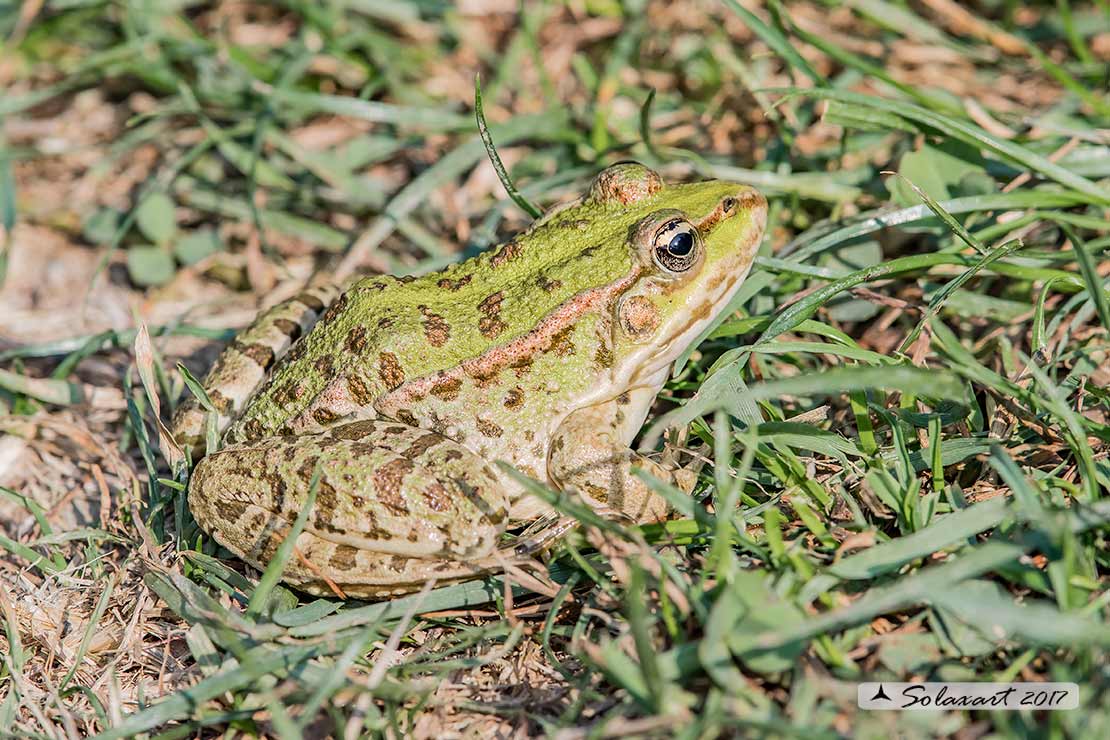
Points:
(495, 158)
(276, 566)
(968, 133)
(776, 40)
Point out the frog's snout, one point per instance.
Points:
(751, 201)
(741, 218)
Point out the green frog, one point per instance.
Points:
(399, 395)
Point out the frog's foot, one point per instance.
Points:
(395, 506)
(244, 364)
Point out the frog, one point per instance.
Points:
(415, 409)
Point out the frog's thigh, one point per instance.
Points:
(244, 364)
(588, 455)
(395, 505)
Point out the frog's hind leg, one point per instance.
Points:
(395, 506)
(244, 364)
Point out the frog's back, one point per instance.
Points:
(387, 336)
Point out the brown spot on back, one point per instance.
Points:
(452, 285)
(436, 330)
(485, 377)
(344, 558)
(324, 416)
(360, 391)
(514, 399)
(548, 286)
(390, 371)
(604, 356)
(388, 479)
(296, 353)
(490, 323)
(488, 428)
(506, 253)
(437, 498)
(337, 307)
(252, 429)
(288, 393)
(357, 340)
(325, 364)
(521, 365)
(422, 445)
(562, 344)
(447, 389)
(354, 430)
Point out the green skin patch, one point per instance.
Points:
(545, 352)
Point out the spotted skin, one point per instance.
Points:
(545, 353)
(245, 364)
(428, 499)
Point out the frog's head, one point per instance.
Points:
(691, 246)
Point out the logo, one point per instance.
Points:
(934, 696)
(880, 694)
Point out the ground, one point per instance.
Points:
(902, 420)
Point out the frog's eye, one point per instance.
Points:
(676, 246)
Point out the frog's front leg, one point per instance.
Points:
(244, 364)
(395, 506)
(590, 454)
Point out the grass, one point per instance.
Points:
(903, 415)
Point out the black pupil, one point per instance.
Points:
(681, 244)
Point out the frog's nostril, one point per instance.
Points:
(728, 204)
